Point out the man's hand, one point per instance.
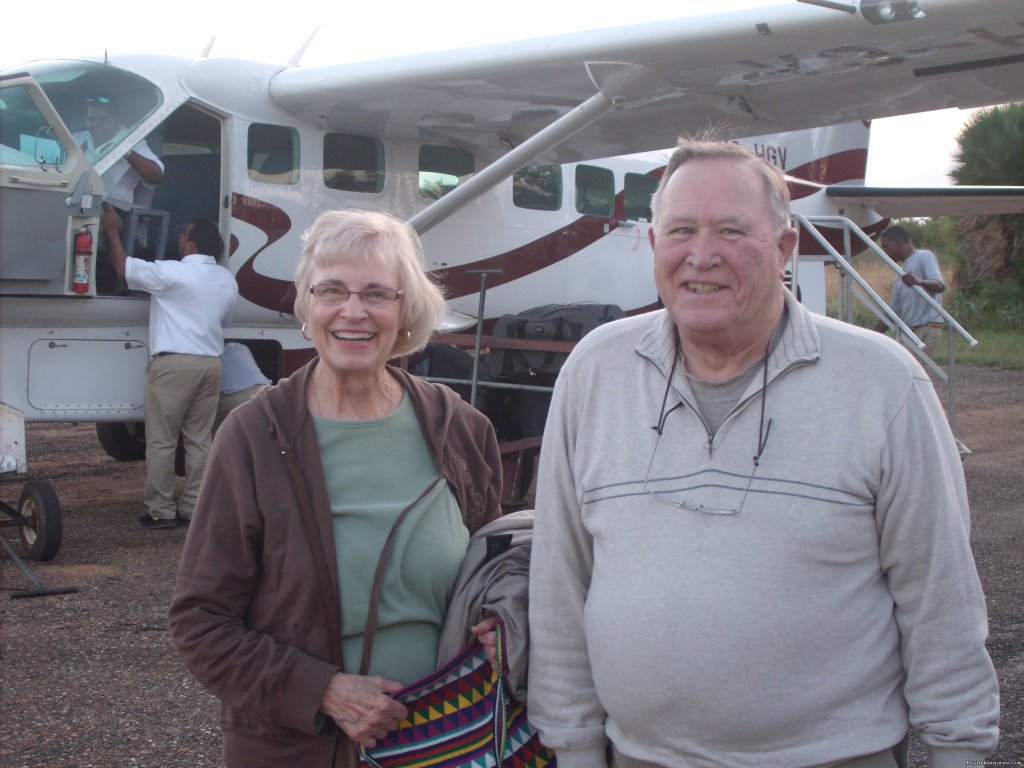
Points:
(932, 286)
(110, 222)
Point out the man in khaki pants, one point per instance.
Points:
(190, 300)
(240, 380)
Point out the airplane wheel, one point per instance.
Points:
(124, 441)
(42, 533)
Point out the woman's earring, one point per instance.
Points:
(305, 332)
(404, 334)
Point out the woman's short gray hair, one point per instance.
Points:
(694, 149)
(372, 236)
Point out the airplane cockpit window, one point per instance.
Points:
(637, 192)
(81, 91)
(442, 169)
(538, 187)
(273, 153)
(353, 163)
(595, 190)
(26, 137)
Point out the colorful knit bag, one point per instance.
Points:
(461, 715)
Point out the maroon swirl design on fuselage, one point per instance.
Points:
(267, 292)
(279, 295)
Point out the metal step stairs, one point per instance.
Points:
(853, 287)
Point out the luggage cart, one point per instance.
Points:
(37, 517)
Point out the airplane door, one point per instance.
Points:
(49, 191)
(191, 142)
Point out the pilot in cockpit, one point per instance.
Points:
(138, 171)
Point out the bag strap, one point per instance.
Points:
(500, 703)
(378, 578)
(313, 536)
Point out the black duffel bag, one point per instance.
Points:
(551, 322)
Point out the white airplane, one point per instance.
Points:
(499, 157)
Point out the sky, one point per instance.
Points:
(913, 150)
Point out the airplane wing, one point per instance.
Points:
(787, 66)
(903, 202)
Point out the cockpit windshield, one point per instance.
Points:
(26, 136)
(98, 103)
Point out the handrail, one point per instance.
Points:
(891, 317)
(880, 308)
(850, 226)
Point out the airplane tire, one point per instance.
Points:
(123, 441)
(42, 534)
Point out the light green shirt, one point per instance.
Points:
(375, 468)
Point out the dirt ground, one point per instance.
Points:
(91, 679)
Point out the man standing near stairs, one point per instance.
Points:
(920, 268)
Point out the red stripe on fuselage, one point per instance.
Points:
(529, 258)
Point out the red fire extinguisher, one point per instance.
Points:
(83, 253)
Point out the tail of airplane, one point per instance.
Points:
(836, 154)
(814, 161)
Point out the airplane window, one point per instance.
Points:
(73, 86)
(442, 169)
(353, 163)
(595, 190)
(637, 196)
(538, 187)
(26, 138)
(273, 154)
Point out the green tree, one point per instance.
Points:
(991, 152)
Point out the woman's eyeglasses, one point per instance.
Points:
(334, 295)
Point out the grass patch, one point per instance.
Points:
(992, 313)
(997, 349)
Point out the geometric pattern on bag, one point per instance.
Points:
(461, 716)
(523, 748)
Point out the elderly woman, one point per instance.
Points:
(303, 486)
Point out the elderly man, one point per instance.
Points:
(751, 536)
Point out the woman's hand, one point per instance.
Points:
(362, 708)
(484, 631)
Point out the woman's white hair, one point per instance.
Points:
(337, 237)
